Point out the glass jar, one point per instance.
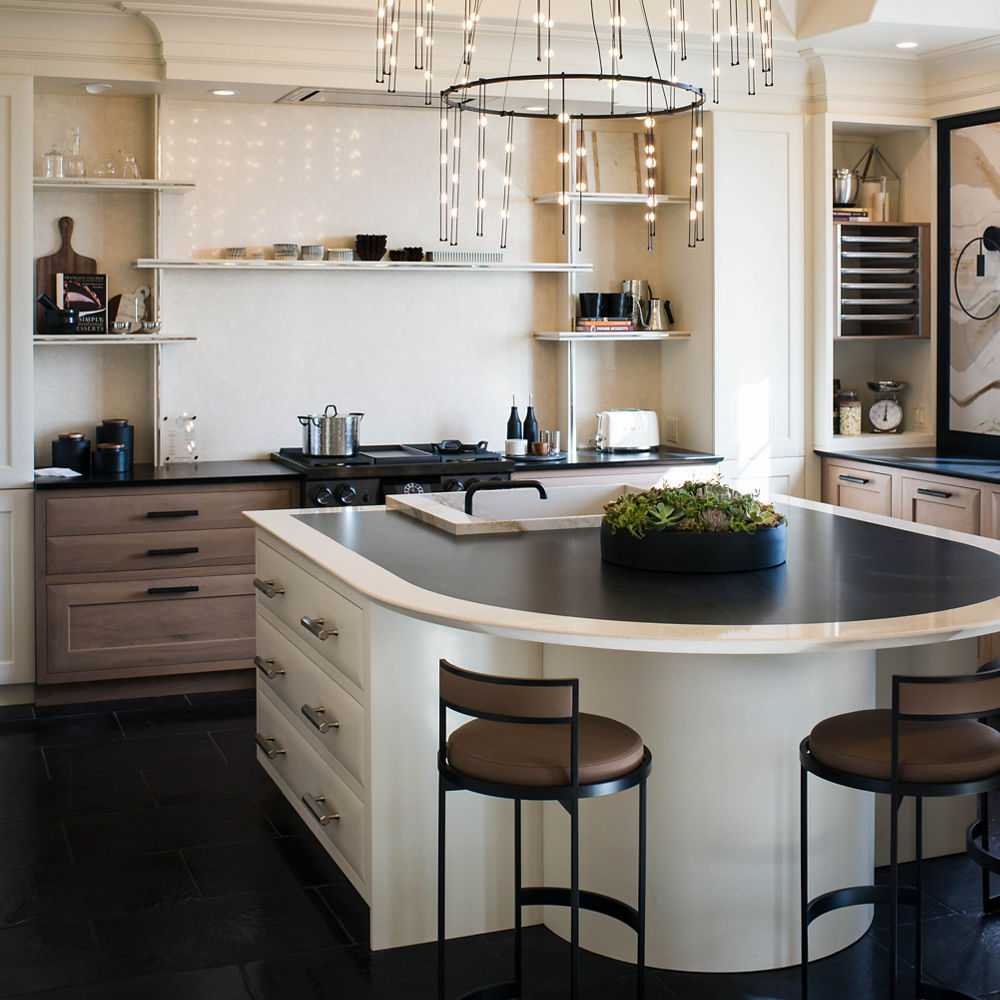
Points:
(52, 164)
(850, 414)
(73, 164)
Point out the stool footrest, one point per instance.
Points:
(975, 845)
(857, 895)
(498, 991)
(542, 895)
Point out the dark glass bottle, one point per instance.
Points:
(530, 423)
(513, 422)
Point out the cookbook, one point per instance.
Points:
(87, 294)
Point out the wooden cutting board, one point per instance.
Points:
(66, 261)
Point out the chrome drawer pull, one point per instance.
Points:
(268, 587)
(318, 629)
(312, 803)
(264, 742)
(941, 494)
(313, 715)
(267, 667)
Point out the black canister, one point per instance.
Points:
(111, 456)
(71, 451)
(117, 431)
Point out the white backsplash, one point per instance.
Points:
(424, 355)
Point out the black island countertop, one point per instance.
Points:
(939, 461)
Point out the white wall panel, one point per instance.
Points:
(17, 626)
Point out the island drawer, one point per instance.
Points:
(152, 626)
(329, 624)
(314, 698)
(159, 509)
(145, 550)
(312, 786)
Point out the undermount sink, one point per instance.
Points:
(511, 510)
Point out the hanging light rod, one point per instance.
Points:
(573, 98)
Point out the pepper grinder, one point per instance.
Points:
(530, 423)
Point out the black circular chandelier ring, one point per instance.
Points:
(465, 96)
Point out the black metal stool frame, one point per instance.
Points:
(569, 797)
(893, 893)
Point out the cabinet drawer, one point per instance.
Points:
(149, 626)
(941, 504)
(160, 509)
(308, 778)
(298, 595)
(303, 684)
(858, 488)
(140, 550)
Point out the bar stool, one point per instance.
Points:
(928, 744)
(981, 838)
(529, 740)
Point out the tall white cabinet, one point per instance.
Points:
(16, 478)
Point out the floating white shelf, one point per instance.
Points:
(564, 335)
(357, 265)
(602, 198)
(112, 184)
(871, 441)
(107, 339)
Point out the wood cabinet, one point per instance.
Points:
(143, 584)
(941, 502)
(860, 487)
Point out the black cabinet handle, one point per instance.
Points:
(854, 479)
(171, 590)
(934, 493)
(183, 551)
(171, 513)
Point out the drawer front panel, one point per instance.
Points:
(162, 509)
(306, 597)
(148, 550)
(307, 776)
(304, 684)
(121, 625)
(941, 505)
(858, 489)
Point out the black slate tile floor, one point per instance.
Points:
(144, 855)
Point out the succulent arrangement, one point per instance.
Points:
(694, 507)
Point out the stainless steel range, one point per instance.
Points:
(380, 470)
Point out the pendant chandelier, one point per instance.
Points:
(571, 99)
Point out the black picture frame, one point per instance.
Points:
(967, 442)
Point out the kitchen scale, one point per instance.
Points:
(886, 413)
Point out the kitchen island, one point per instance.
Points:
(721, 674)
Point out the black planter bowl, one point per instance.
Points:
(695, 552)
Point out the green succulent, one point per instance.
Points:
(694, 507)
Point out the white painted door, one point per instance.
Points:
(759, 345)
(17, 628)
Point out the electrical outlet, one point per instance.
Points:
(919, 417)
(671, 429)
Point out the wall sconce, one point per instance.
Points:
(990, 240)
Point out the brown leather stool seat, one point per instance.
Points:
(861, 743)
(515, 753)
(931, 743)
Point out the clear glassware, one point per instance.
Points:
(106, 169)
(73, 163)
(52, 163)
(130, 168)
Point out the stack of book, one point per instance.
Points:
(843, 214)
(612, 325)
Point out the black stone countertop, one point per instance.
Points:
(186, 472)
(589, 458)
(934, 460)
(839, 569)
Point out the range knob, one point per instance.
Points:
(322, 496)
(453, 485)
(346, 495)
(413, 488)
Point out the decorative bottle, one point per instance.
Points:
(530, 423)
(513, 422)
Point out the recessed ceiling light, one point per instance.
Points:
(906, 45)
(96, 88)
(225, 93)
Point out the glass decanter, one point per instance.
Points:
(73, 163)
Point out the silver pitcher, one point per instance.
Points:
(660, 317)
(639, 290)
